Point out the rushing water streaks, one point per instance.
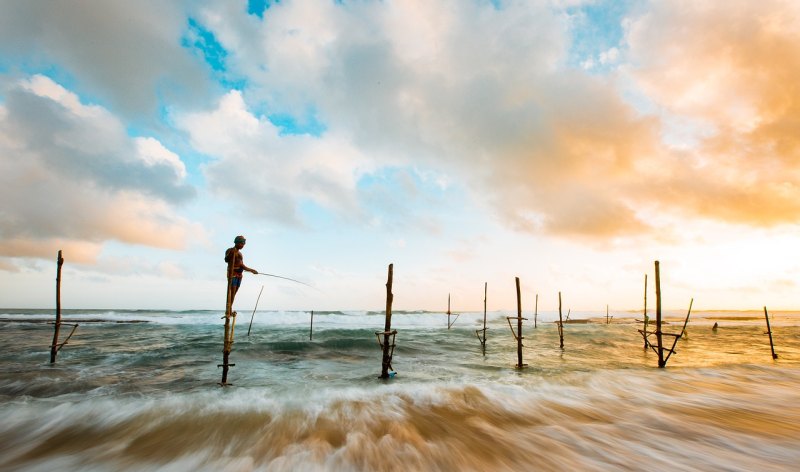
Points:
(136, 390)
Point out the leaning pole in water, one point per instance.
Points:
(55, 347)
(227, 344)
(388, 334)
(769, 331)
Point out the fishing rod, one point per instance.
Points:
(284, 278)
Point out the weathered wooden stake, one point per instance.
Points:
(311, 329)
(560, 324)
(478, 332)
(54, 346)
(388, 334)
(448, 311)
(608, 320)
(449, 324)
(536, 310)
(646, 319)
(661, 362)
(254, 311)
(686, 321)
(769, 331)
(520, 365)
(227, 344)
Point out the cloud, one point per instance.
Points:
(71, 177)
(729, 69)
(128, 53)
(271, 174)
(486, 96)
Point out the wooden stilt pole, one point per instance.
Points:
(54, 346)
(388, 334)
(645, 320)
(227, 344)
(448, 311)
(449, 324)
(769, 331)
(661, 362)
(560, 324)
(607, 319)
(536, 310)
(478, 332)
(311, 329)
(520, 365)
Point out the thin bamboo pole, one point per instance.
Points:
(536, 310)
(560, 324)
(520, 365)
(661, 362)
(448, 311)
(478, 332)
(387, 358)
(254, 311)
(769, 331)
(311, 329)
(645, 320)
(607, 319)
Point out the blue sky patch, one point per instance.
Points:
(258, 7)
(596, 29)
(290, 124)
(203, 41)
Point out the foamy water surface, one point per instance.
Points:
(137, 390)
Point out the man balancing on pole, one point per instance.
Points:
(236, 270)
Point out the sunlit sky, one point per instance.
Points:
(568, 143)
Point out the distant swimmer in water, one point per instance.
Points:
(716, 325)
(236, 270)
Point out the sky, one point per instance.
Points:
(568, 143)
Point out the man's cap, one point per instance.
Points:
(239, 239)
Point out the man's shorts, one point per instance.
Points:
(236, 282)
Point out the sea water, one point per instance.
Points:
(138, 390)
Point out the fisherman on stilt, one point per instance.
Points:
(236, 272)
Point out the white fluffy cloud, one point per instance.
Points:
(70, 177)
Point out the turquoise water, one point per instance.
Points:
(137, 390)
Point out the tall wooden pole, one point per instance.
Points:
(387, 359)
(536, 310)
(311, 329)
(645, 320)
(448, 311)
(520, 365)
(227, 342)
(769, 331)
(560, 324)
(661, 362)
(54, 346)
